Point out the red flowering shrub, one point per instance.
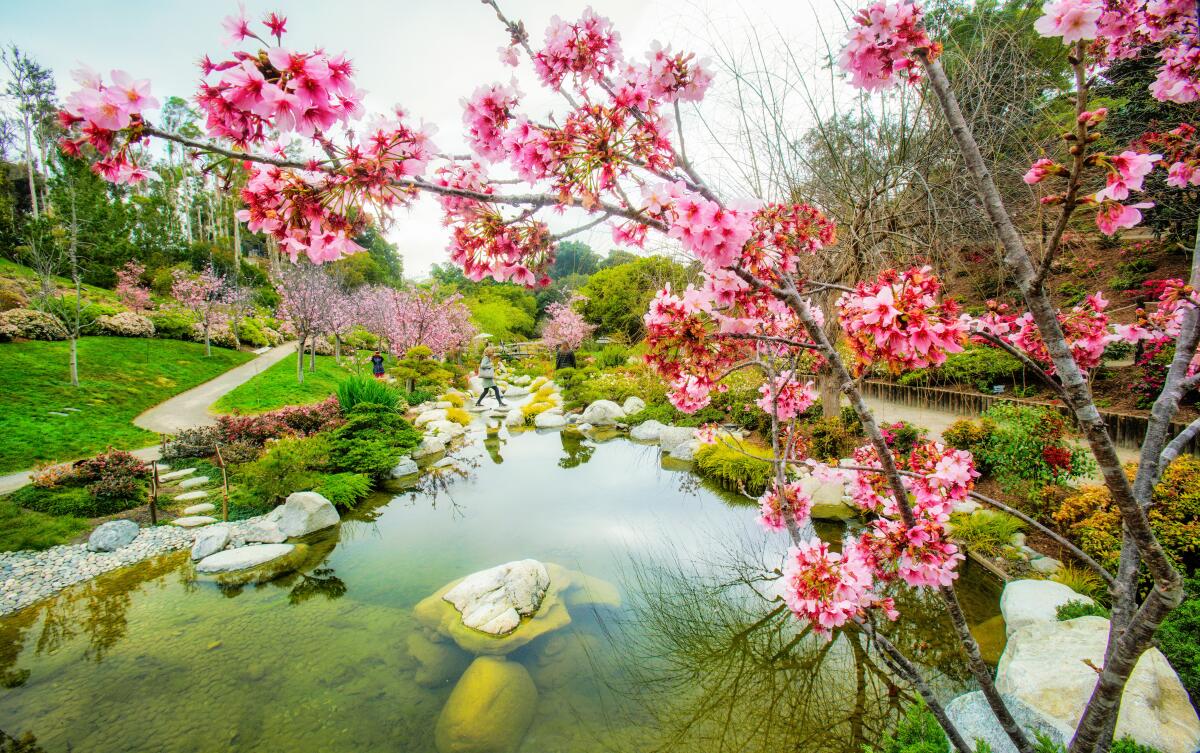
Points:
(300, 420)
(115, 474)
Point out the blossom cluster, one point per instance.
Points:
(564, 325)
(588, 49)
(786, 396)
(97, 111)
(828, 589)
(1085, 327)
(898, 320)
(880, 47)
(778, 501)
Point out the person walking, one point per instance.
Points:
(487, 375)
(377, 365)
(565, 358)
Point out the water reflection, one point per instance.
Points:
(577, 450)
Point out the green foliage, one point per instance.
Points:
(291, 465)
(119, 377)
(740, 466)
(1129, 745)
(276, 387)
(917, 732)
(965, 434)
(362, 389)
(503, 310)
(985, 531)
(976, 365)
(618, 296)
(344, 489)
(1179, 640)
(1080, 608)
(612, 356)
(26, 529)
(418, 369)
(372, 440)
(173, 323)
(1030, 446)
(1081, 580)
(573, 258)
(830, 439)
(74, 501)
(665, 413)
(416, 397)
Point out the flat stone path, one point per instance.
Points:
(185, 410)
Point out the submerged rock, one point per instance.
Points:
(437, 663)
(495, 600)
(564, 657)
(686, 450)
(1025, 602)
(113, 535)
(1050, 667)
(303, 513)
(551, 419)
(489, 710)
(974, 719)
(829, 499)
(406, 467)
(257, 563)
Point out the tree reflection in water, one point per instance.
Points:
(720, 664)
(577, 450)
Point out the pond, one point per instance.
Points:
(148, 659)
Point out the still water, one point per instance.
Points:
(148, 659)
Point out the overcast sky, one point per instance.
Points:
(425, 55)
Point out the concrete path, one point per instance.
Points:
(190, 408)
(185, 410)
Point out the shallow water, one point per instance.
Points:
(147, 659)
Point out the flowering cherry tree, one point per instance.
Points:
(205, 294)
(565, 326)
(422, 317)
(306, 295)
(616, 155)
(130, 289)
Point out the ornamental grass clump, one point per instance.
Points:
(360, 389)
(738, 465)
(985, 531)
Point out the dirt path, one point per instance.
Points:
(185, 409)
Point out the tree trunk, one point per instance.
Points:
(74, 362)
(312, 355)
(300, 360)
(207, 342)
(831, 393)
(337, 347)
(33, 197)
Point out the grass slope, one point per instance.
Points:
(119, 378)
(25, 529)
(276, 387)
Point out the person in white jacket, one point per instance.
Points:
(487, 375)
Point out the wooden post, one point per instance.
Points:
(154, 493)
(224, 487)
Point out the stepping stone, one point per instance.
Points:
(191, 495)
(242, 557)
(72, 410)
(193, 521)
(200, 509)
(59, 413)
(162, 468)
(177, 474)
(188, 483)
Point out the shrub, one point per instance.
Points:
(1128, 745)
(51, 475)
(372, 440)
(219, 333)
(917, 732)
(458, 416)
(1029, 446)
(416, 397)
(612, 356)
(741, 466)
(1091, 519)
(666, 413)
(290, 465)
(1080, 608)
(72, 501)
(965, 434)
(1081, 580)
(173, 323)
(1179, 640)
(125, 324)
(301, 420)
(11, 295)
(361, 389)
(344, 489)
(454, 398)
(829, 439)
(240, 452)
(986, 531)
(976, 365)
(197, 442)
(902, 436)
(30, 324)
(531, 409)
(113, 475)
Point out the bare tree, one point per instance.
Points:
(32, 88)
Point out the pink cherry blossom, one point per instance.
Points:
(880, 49)
(1072, 20)
(1114, 216)
(564, 326)
(587, 49)
(772, 502)
(786, 397)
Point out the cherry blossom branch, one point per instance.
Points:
(584, 228)
(1025, 360)
(769, 339)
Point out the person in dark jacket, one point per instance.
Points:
(564, 359)
(377, 365)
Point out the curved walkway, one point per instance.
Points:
(185, 410)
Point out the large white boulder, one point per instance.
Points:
(515, 392)
(111, 536)
(1050, 666)
(829, 499)
(242, 558)
(974, 720)
(670, 437)
(405, 467)
(686, 450)
(430, 445)
(449, 429)
(602, 413)
(1025, 602)
(633, 404)
(646, 431)
(210, 540)
(303, 513)
(495, 600)
(550, 419)
(437, 414)
(265, 531)
(514, 417)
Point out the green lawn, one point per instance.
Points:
(119, 377)
(276, 387)
(25, 529)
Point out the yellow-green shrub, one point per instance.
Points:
(542, 395)
(740, 466)
(454, 399)
(458, 416)
(531, 409)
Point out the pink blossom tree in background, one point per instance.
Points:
(206, 295)
(565, 327)
(422, 317)
(342, 315)
(616, 154)
(129, 287)
(306, 294)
